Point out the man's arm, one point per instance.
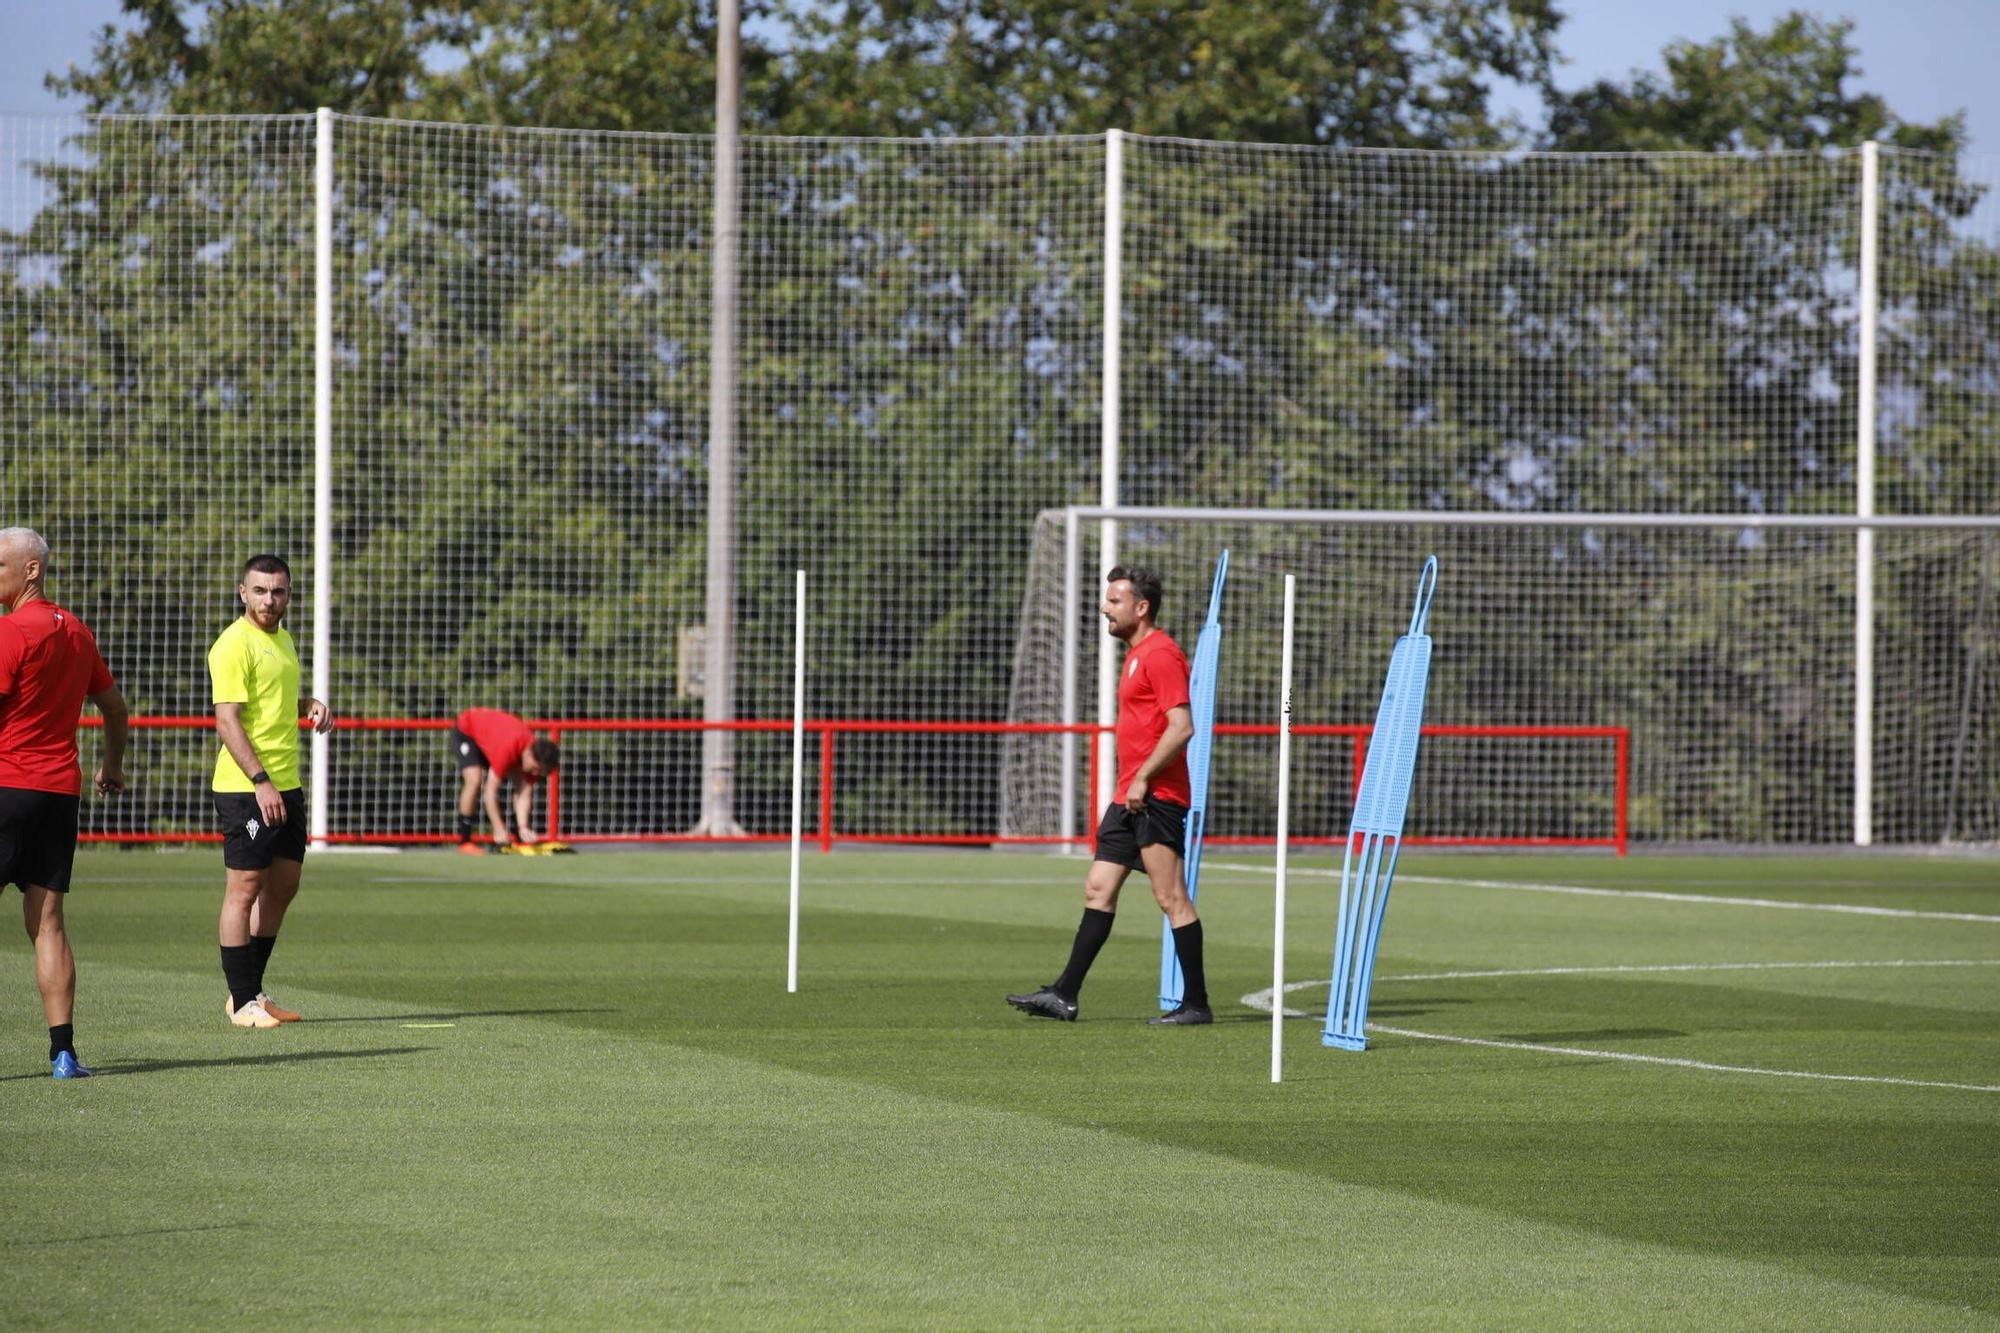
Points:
(229, 726)
(316, 713)
(1180, 730)
(493, 815)
(524, 807)
(111, 772)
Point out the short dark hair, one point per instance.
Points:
(266, 564)
(1144, 582)
(545, 752)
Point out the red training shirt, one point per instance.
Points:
(501, 737)
(1154, 679)
(49, 665)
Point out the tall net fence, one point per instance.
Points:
(156, 398)
(1399, 330)
(520, 328)
(1726, 652)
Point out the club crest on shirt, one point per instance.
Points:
(1133, 667)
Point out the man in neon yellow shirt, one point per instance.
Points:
(255, 673)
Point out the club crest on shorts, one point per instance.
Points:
(253, 828)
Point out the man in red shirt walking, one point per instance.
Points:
(1145, 825)
(491, 748)
(49, 665)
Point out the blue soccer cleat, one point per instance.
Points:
(67, 1065)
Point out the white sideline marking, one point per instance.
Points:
(1656, 895)
(662, 880)
(1688, 967)
(1683, 1064)
(1262, 1000)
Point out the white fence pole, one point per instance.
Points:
(1114, 263)
(323, 581)
(1864, 503)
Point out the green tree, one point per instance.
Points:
(1781, 89)
(1295, 71)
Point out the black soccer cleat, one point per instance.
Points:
(1045, 1003)
(1188, 1015)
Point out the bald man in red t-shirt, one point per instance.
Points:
(49, 664)
(492, 747)
(1145, 825)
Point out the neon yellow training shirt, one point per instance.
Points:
(260, 671)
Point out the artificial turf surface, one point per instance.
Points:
(573, 1091)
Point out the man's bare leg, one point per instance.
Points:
(280, 886)
(472, 779)
(55, 965)
(55, 975)
(1100, 901)
(1163, 868)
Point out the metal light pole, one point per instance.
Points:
(718, 748)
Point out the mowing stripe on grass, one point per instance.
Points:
(1658, 895)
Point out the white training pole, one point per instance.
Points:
(798, 773)
(1284, 836)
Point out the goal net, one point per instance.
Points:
(1725, 649)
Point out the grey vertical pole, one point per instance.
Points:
(322, 590)
(718, 748)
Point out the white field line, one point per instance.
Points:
(683, 880)
(1684, 1064)
(1655, 895)
(1690, 967)
(1262, 1000)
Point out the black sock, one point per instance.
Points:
(260, 951)
(62, 1037)
(1091, 932)
(1194, 981)
(465, 828)
(239, 967)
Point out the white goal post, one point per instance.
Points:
(1724, 642)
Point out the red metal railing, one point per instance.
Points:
(829, 729)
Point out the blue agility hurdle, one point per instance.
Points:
(1377, 832)
(1201, 704)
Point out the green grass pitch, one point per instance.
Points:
(573, 1091)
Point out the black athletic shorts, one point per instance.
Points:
(1121, 833)
(37, 838)
(248, 843)
(465, 752)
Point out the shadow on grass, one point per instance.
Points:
(461, 1013)
(128, 1235)
(1413, 1007)
(113, 1067)
(1592, 1034)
